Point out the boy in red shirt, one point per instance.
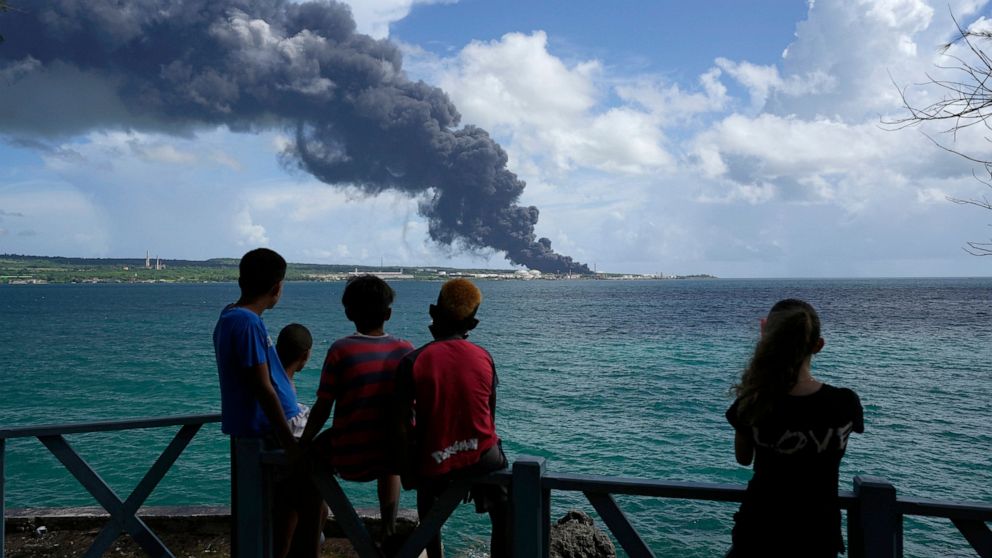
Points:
(451, 385)
(358, 380)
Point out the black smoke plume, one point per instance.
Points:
(356, 119)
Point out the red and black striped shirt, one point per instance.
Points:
(359, 377)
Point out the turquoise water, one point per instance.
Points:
(620, 378)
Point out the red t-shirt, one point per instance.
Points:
(453, 385)
(358, 376)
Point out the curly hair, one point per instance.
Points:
(789, 336)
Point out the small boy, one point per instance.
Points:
(358, 380)
(450, 383)
(257, 398)
(294, 346)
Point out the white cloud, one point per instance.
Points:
(790, 146)
(931, 195)
(127, 151)
(903, 15)
(553, 113)
(816, 135)
(763, 81)
(248, 232)
(312, 200)
(163, 153)
(669, 103)
(733, 193)
(373, 17)
(857, 48)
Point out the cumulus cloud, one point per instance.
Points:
(248, 232)
(670, 103)
(765, 81)
(813, 133)
(373, 17)
(553, 112)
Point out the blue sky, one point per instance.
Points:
(741, 139)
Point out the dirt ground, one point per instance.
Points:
(71, 544)
(187, 532)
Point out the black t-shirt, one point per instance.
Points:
(792, 497)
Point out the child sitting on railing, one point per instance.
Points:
(795, 429)
(357, 380)
(294, 346)
(450, 383)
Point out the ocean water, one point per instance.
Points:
(618, 378)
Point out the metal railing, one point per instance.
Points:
(874, 525)
(875, 513)
(122, 512)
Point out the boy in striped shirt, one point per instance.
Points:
(358, 381)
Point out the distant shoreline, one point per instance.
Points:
(40, 270)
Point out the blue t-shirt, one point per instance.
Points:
(241, 342)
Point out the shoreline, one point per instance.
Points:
(20, 269)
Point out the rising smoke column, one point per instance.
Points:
(256, 64)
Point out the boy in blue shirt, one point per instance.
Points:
(257, 397)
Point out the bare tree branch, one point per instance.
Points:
(965, 103)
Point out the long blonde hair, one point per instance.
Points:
(789, 336)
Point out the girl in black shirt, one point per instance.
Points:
(794, 428)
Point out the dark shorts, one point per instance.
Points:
(487, 497)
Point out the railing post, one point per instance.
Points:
(3, 507)
(252, 529)
(529, 500)
(875, 527)
(546, 521)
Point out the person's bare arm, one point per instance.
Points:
(260, 385)
(743, 448)
(319, 414)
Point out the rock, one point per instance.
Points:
(576, 536)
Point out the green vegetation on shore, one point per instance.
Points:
(18, 269)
